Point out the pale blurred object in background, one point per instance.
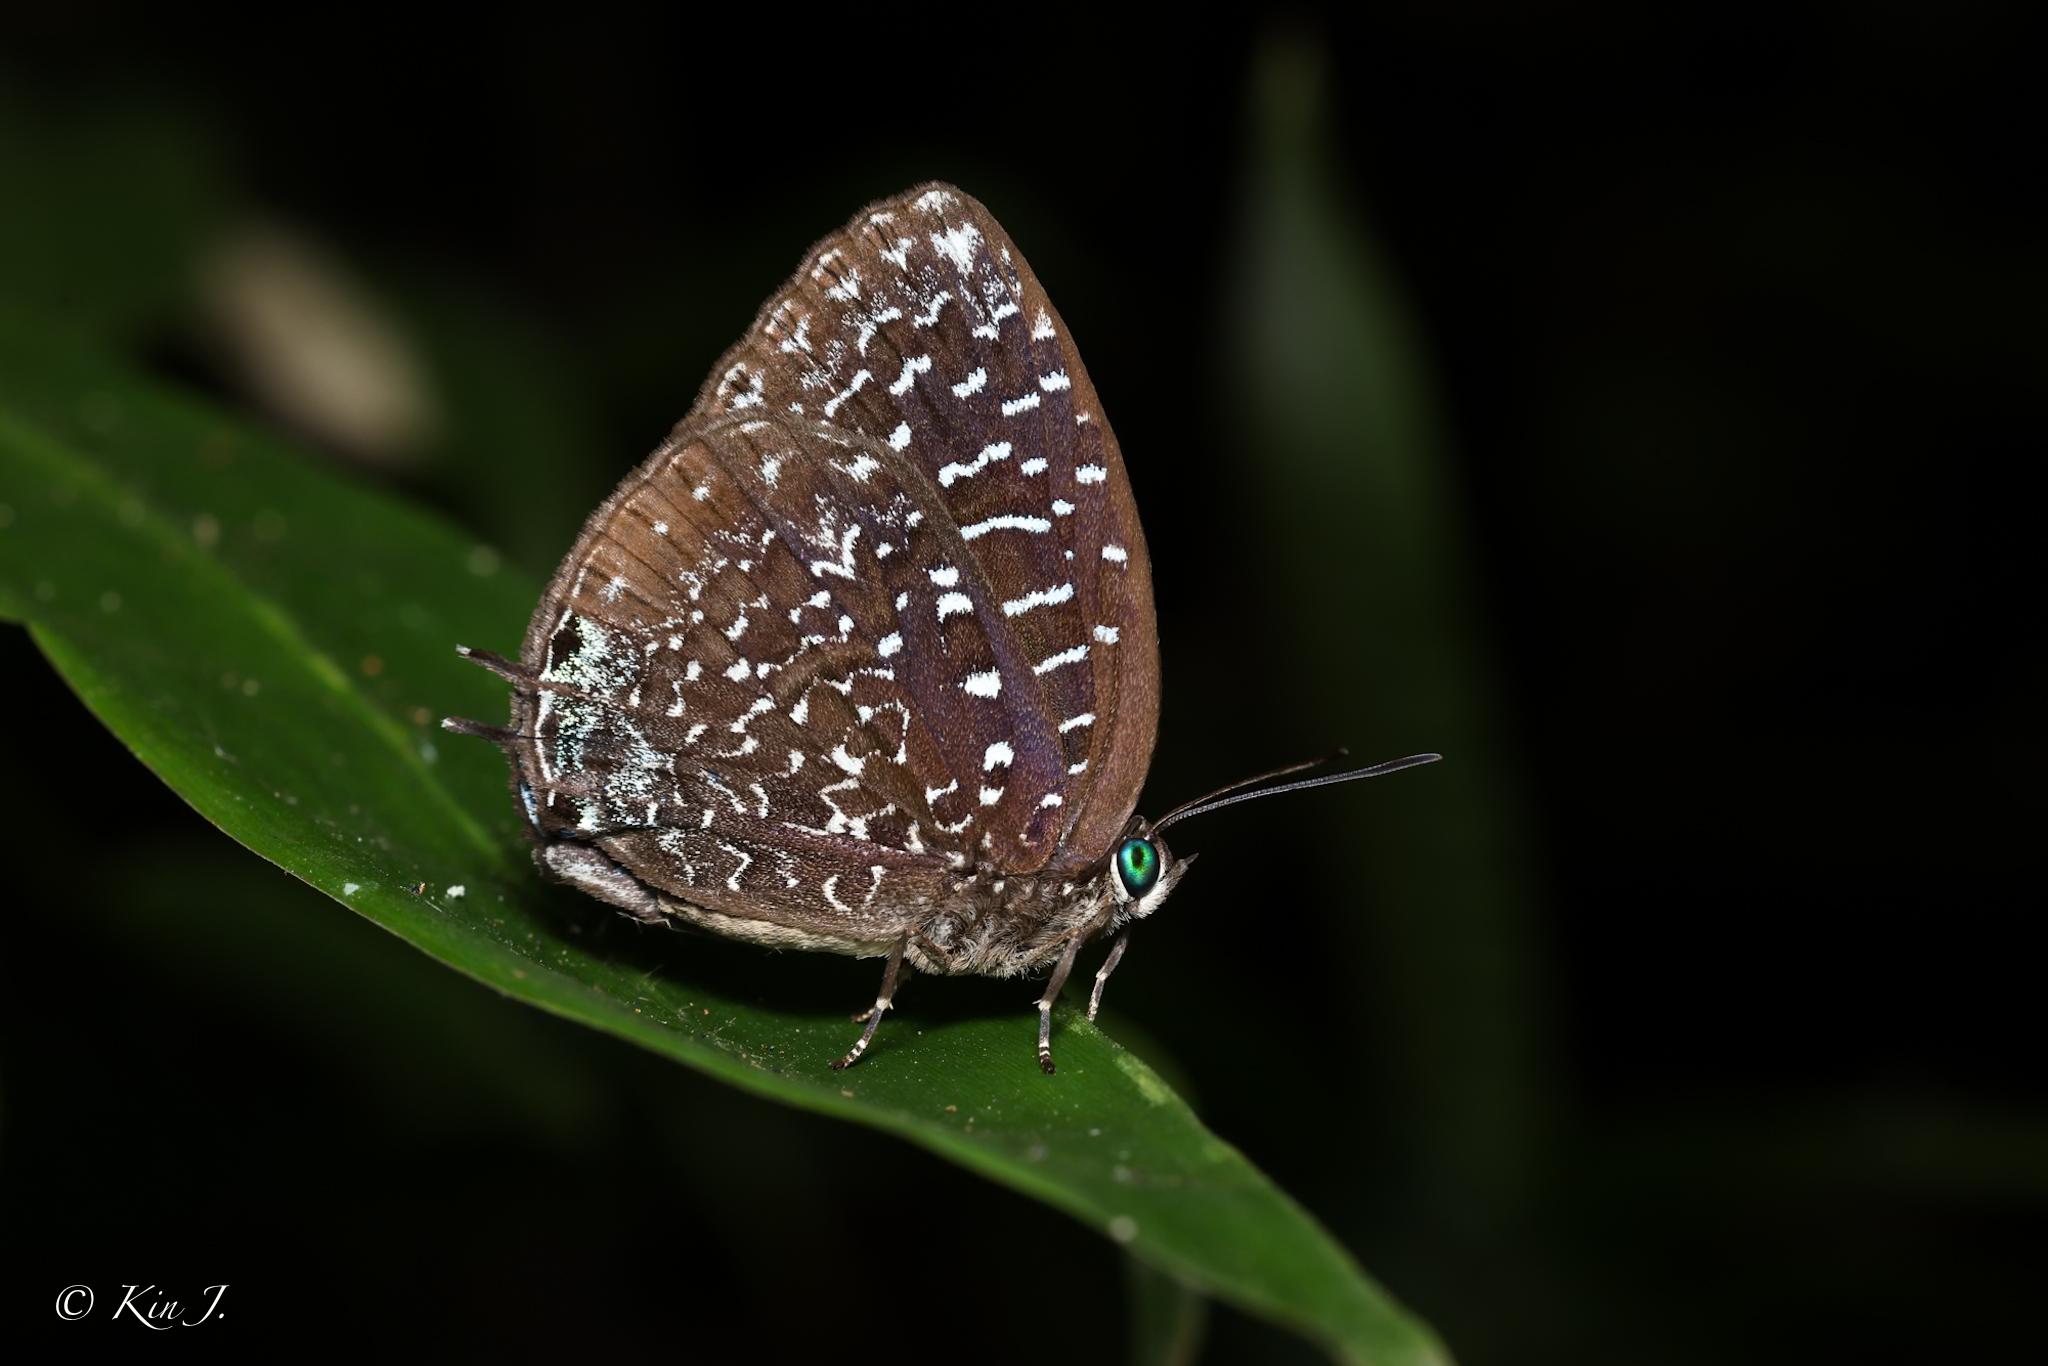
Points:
(310, 343)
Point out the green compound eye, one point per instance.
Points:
(1137, 866)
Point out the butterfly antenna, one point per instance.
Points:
(1222, 797)
(1253, 781)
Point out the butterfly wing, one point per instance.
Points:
(713, 705)
(919, 331)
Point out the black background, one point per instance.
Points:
(1733, 333)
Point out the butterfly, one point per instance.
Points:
(863, 658)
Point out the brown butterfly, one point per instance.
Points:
(863, 657)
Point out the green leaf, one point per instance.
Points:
(277, 645)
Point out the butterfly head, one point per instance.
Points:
(1143, 871)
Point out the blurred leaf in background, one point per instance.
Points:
(1373, 609)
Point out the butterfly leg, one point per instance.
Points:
(1116, 955)
(862, 1017)
(882, 999)
(1052, 993)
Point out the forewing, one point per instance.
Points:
(920, 332)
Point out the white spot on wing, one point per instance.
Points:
(955, 244)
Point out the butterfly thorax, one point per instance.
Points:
(996, 925)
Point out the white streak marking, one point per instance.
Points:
(1044, 597)
(995, 450)
(843, 567)
(971, 385)
(732, 883)
(912, 368)
(984, 684)
(860, 377)
(1006, 522)
(1060, 660)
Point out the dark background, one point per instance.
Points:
(1634, 413)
